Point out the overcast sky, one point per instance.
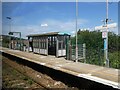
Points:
(43, 17)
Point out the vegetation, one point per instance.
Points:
(5, 41)
(95, 47)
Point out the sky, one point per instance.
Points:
(43, 17)
(58, 0)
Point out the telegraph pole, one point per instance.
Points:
(10, 27)
(76, 31)
(105, 34)
(10, 24)
(106, 39)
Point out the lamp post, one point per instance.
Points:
(106, 39)
(76, 60)
(10, 25)
(105, 34)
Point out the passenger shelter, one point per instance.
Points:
(53, 43)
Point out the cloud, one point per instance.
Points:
(114, 30)
(70, 25)
(44, 25)
(48, 25)
(73, 32)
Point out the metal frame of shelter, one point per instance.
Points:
(53, 43)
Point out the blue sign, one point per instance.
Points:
(105, 44)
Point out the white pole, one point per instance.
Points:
(106, 39)
(10, 27)
(76, 31)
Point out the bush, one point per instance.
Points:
(114, 59)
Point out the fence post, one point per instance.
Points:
(68, 49)
(84, 52)
(57, 43)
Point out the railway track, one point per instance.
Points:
(20, 80)
(27, 77)
(13, 78)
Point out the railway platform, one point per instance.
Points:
(103, 75)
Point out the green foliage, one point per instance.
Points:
(5, 42)
(113, 42)
(114, 59)
(94, 56)
(92, 39)
(95, 47)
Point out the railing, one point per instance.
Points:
(71, 52)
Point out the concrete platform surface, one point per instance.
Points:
(107, 76)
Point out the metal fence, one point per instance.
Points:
(90, 56)
(81, 52)
(71, 52)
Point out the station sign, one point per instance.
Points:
(104, 34)
(105, 44)
(112, 25)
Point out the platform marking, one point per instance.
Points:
(60, 65)
(42, 63)
(56, 67)
(100, 80)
